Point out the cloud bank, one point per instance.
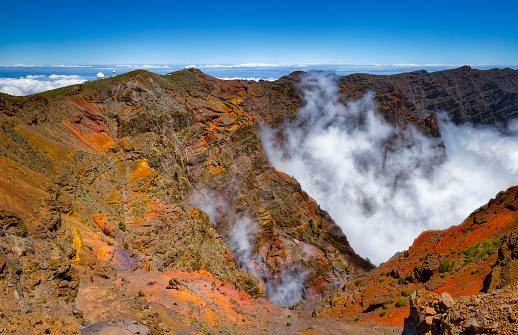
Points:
(384, 189)
(32, 84)
(248, 78)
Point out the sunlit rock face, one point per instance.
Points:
(114, 189)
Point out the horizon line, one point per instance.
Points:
(244, 65)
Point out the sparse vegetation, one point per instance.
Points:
(406, 292)
(401, 302)
(446, 266)
(314, 228)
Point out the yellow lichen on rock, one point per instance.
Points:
(77, 242)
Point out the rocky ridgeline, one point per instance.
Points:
(492, 313)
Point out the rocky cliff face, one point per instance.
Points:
(492, 313)
(466, 94)
(148, 198)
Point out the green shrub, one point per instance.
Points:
(358, 282)
(385, 306)
(288, 324)
(401, 302)
(406, 292)
(356, 319)
(472, 251)
(381, 280)
(446, 266)
(383, 313)
(312, 224)
(489, 248)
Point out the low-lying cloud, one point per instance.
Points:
(384, 187)
(32, 84)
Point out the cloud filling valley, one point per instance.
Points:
(384, 188)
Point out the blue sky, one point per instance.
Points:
(235, 32)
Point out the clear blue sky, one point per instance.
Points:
(234, 32)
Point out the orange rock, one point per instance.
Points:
(105, 252)
(99, 220)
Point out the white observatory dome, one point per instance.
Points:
(100, 75)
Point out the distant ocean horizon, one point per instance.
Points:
(24, 79)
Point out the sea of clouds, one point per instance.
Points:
(30, 84)
(382, 189)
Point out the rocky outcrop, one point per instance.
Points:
(493, 313)
(505, 270)
(37, 280)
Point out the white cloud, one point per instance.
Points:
(245, 65)
(155, 66)
(37, 83)
(250, 78)
(20, 65)
(383, 189)
(80, 66)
